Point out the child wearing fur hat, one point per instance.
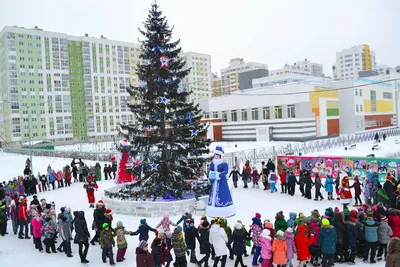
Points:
(266, 249)
(384, 235)
(122, 244)
(280, 222)
(143, 230)
(290, 245)
(279, 249)
(107, 243)
(238, 239)
(302, 245)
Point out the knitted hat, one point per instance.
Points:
(370, 214)
(279, 233)
(239, 221)
(120, 224)
(238, 226)
(178, 229)
(258, 215)
(205, 224)
(48, 206)
(269, 225)
(142, 244)
(35, 197)
(356, 179)
(384, 219)
(143, 221)
(361, 216)
(346, 211)
(100, 203)
(336, 210)
(315, 214)
(265, 233)
(329, 212)
(365, 207)
(105, 225)
(388, 178)
(109, 212)
(374, 208)
(325, 222)
(290, 230)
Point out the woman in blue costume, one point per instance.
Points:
(220, 202)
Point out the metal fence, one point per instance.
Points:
(257, 155)
(103, 156)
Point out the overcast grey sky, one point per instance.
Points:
(268, 31)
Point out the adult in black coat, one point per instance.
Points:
(270, 166)
(309, 183)
(191, 235)
(99, 218)
(27, 186)
(114, 169)
(388, 187)
(204, 240)
(34, 183)
(27, 170)
(82, 235)
(238, 238)
(338, 223)
(292, 181)
(75, 173)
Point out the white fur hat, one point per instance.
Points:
(238, 226)
(290, 230)
(279, 233)
(265, 233)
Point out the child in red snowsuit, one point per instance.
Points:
(90, 186)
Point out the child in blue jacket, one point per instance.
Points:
(143, 230)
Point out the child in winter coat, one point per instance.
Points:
(384, 235)
(302, 245)
(280, 223)
(37, 225)
(315, 227)
(350, 240)
(393, 257)
(107, 242)
(143, 230)
(191, 235)
(205, 247)
(183, 219)
(329, 186)
(279, 249)
(266, 249)
(236, 174)
(272, 181)
(256, 230)
(65, 233)
(357, 191)
(371, 237)
(256, 177)
(238, 239)
(3, 218)
(282, 178)
(360, 246)
(12, 215)
(291, 220)
(48, 231)
(156, 252)
(327, 242)
(122, 244)
(368, 191)
(165, 223)
(179, 246)
(290, 246)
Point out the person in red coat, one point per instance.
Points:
(357, 191)
(282, 178)
(23, 218)
(90, 186)
(394, 223)
(302, 244)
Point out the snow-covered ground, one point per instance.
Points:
(88, 147)
(16, 252)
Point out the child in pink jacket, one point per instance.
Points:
(256, 177)
(37, 233)
(266, 249)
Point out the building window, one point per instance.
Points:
(387, 95)
(373, 100)
(244, 114)
(215, 115)
(278, 112)
(233, 115)
(356, 92)
(266, 113)
(224, 116)
(370, 123)
(254, 114)
(357, 109)
(361, 108)
(360, 90)
(358, 125)
(291, 111)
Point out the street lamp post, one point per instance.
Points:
(30, 136)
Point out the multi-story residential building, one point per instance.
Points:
(304, 67)
(68, 88)
(301, 110)
(199, 80)
(230, 75)
(216, 85)
(350, 61)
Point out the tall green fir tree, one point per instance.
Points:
(167, 133)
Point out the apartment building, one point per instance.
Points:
(304, 67)
(67, 88)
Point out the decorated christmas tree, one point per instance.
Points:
(167, 134)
